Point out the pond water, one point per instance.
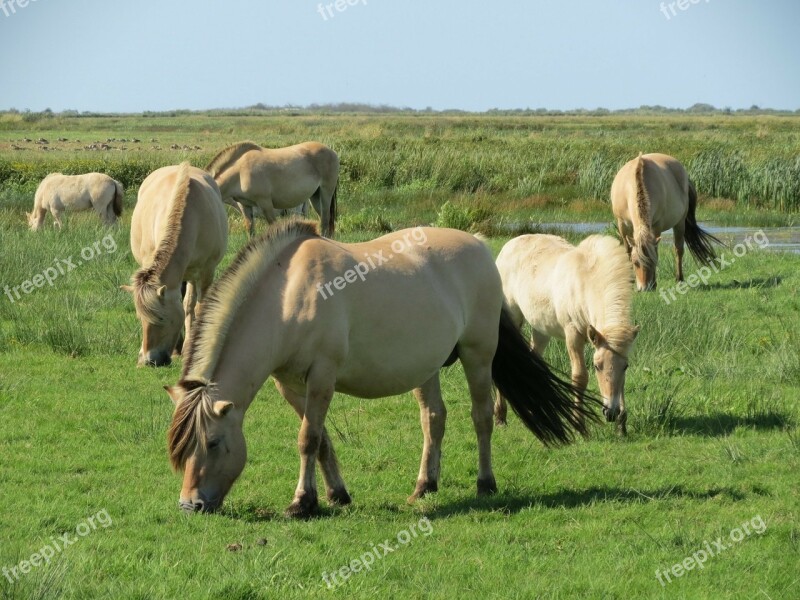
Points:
(781, 239)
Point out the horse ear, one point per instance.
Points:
(658, 239)
(635, 331)
(222, 407)
(126, 288)
(174, 392)
(161, 291)
(596, 337)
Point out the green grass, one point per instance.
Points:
(714, 441)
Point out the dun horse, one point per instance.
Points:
(274, 179)
(179, 232)
(650, 194)
(59, 193)
(579, 294)
(371, 320)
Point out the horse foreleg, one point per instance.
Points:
(432, 416)
(319, 392)
(478, 370)
(334, 484)
(247, 214)
(580, 376)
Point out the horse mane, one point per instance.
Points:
(643, 239)
(189, 428)
(231, 290)
(227, 156)
(146, 280)
(612, 280)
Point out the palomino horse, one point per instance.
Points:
(371, 320)
(650, 194)
(179, 232)
(58, 193)
(278, 178)
(578, 294)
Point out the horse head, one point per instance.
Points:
(611, 350)
(644, 256)
(160, 311)
(207, 443)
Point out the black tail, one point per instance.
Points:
(542, 400)
(699, 241)
(332, 215)
(118, 197)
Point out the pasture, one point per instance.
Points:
(711, 391)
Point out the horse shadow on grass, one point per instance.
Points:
(721, 424)
(512, 503)
(760, 283)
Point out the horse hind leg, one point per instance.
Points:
(334, 484)
(678, 232)
(432, 417)
(478, 370)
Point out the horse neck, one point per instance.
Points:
(247, 353)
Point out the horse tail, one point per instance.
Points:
(542, 400)
(118, 197)
(332, 211)
(699, 241)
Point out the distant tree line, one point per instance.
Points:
(261, 109)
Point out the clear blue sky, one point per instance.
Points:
(110, 55)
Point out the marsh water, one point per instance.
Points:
(781, 239)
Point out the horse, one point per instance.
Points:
(278, 178)
(371, 320)
(578, 294)
(650, 194)
(58, 193)
(179, 233)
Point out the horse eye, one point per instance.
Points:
(598, 367)
(213, 444)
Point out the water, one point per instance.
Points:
(781, 239)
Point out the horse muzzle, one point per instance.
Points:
(197, 505)
(155, 359)
(612, 413)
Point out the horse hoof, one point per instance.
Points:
(303, 507)
(423, 487)
(487, 487)
(339, 497)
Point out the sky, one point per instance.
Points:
(134, 56)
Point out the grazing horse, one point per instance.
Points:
(371, 320)
(273, 179)
(179, 233)
(650, 194)
(58, 193)
(578, 294)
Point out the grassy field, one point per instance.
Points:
(713, 445)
